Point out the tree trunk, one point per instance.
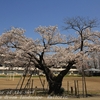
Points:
(54, 87)
(55, 82)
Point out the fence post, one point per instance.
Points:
(68, 87)
(75, 87)
(71, 90)
(35, 93)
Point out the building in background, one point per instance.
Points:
(19, 71)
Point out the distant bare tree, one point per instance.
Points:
(82, 26)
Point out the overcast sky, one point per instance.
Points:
(29, 14)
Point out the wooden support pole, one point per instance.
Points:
(32, 87)
(43, 84)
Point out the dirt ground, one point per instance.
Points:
(92, 83)
(44, 98)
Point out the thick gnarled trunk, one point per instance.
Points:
(55, 82)
(54, 87)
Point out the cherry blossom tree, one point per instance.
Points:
(43, 53)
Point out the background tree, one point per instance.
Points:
(85, 41)
(86, 38)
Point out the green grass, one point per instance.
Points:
(2, 75)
